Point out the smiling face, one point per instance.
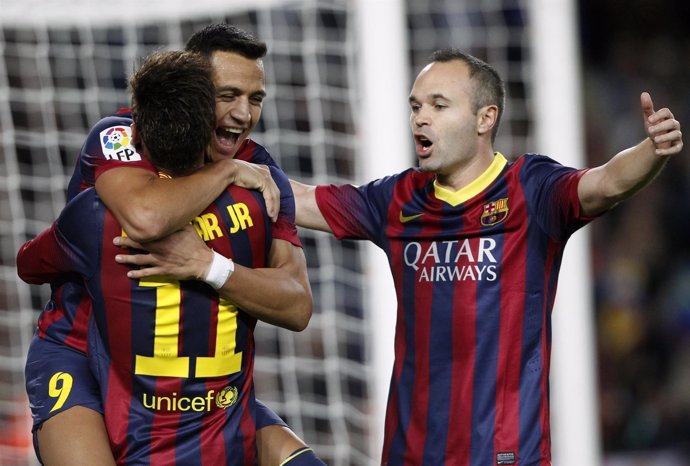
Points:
(240, 91)
(443, 123)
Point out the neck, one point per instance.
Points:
(467, 171)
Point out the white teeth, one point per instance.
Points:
(231, 131)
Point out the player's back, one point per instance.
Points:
(174, 361)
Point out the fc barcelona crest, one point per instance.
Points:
(494, 212)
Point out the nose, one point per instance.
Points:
(240, 110)
(419, 118)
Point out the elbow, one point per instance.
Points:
(26, 278)
(301, 314)
(144, 226)
(22, 267)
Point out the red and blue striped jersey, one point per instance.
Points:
(475, 274)
(109, 145)
(174, 360)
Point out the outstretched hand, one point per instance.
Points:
(182, 255)
(661, 127)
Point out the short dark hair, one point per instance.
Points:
(489, 88)
(173, 108)
(226, 38)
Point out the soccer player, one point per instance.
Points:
(148, 208)
(174, 360)
(474, 244)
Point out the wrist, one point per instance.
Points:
(219, 271)
(230, 169)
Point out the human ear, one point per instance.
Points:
(486, 119)
(136, 137)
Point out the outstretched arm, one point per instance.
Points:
(629, 171)
(279, 295)
(149, 207)
(308, 214)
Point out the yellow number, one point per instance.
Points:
(225, 361)
(165, 360)
(61, 392)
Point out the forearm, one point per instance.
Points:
(149, 207)
(279, 295)
(308, 214)
(633, 169)
(272, 295)
(625, 174)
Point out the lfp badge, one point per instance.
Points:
(116, 144)
(494, 212)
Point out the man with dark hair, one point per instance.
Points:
(150, 208)
(173, 101)
(173, 359)
(226, 37)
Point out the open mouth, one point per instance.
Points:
(227, 139)
(423, 145)
(228, 135)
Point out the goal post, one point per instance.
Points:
(558, 116)
(384, 74)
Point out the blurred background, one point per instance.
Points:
(641, 256)
(64, 65)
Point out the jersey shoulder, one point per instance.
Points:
(252, 151)
(109, 144)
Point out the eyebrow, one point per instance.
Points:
(431, 97)
(237, 90)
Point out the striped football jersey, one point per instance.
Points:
(475, 274)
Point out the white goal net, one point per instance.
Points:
(63, 65)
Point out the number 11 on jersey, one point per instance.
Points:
(166, 362)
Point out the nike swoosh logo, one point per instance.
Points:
(409, 218)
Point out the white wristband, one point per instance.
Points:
(220, 270)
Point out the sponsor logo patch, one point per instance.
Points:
(223, 399)
(116, 143)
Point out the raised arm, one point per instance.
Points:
(629, 171)
(149, 207)
(279, 295)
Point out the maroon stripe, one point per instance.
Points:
(117, 300)
(464, 360)
(513, 266)
(78, 333)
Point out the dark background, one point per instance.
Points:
(641, 249)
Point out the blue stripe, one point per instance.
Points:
(488, 331)
(532, 364)
(441, 344)
(407, 377)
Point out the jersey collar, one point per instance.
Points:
(455, 198)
